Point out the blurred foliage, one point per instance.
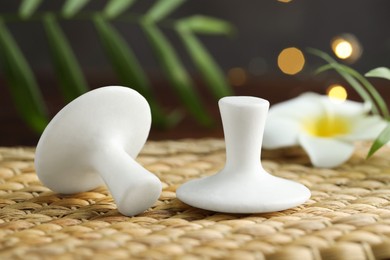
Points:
(26, 93)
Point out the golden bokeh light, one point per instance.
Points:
(237, 76)
(291, 60)
(337, 93)
(284, 1)
(347, 47)
(342, 48)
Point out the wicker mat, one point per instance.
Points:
(347, 217)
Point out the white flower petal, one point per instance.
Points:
(280, 132)
(337, 125)
(367, 128)
(303, 106)
(326, 152)
(345, 109)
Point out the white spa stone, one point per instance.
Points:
(94, 140)
(243, 186)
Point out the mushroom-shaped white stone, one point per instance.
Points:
(243, 186)
(94, 140)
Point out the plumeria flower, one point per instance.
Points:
(325, 129)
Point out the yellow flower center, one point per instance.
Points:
(326, 126)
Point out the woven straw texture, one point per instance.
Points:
(347, 217)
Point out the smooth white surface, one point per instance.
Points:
(243, 186)
(319, 148)
(94, 140)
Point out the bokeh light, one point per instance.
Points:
(237, 76)
(337, 93)
(346, 47)
(342, 49)
(291, 60)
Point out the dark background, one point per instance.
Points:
(264, 28)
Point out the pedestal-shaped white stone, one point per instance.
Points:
(243, 186)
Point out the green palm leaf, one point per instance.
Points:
(28, 7)
(207, 25)
(116, 7)
(68, 71)
(380, 141)
(22, 83)
(71, 7)
(206, 65)
(370, 88)
(350, 79)
(130, 71)
(161, 9)
(380, 72)
(177, 75)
